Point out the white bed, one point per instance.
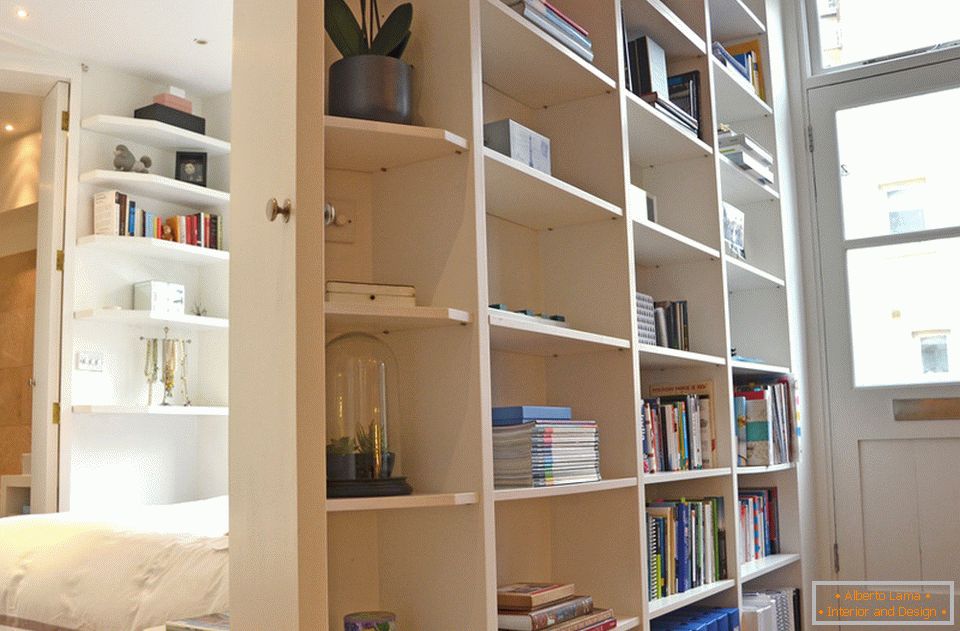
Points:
(127, 572)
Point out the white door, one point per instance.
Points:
(887, 168)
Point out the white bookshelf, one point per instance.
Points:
(741, 276)
(654, 245)
(736, 99)
(535, 337)
(153, 410)
(663, 357)
(154, 134)
(674, 35)
(766, 565)
(534, 493)
(376, 318)
(740, 188)
(157, 187)
(656, 139)
(733, 20)
(354, 144)
(663, 606)
(130, 317)
(165, 251)
(663, 477)
(400, 502)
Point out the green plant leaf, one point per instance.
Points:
(398, 51)
(343, 28)
(395, 29)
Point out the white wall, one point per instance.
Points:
(18, 230)
(19, 171)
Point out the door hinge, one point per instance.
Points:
(65, 121)
(836, 558)
(56, 413)
(59, 260)
(810, 138)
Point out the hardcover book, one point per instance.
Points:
(529, 596)
(547, 616)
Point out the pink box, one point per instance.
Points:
(175, 102)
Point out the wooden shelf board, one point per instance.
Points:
(774, 468)
(529, 65)
(624, 624)
(526, 196)
(146, 318)
(745, 368)
(739, 188)
(661, 357)
(155, 410)
(155, 134)
(532, 493)
(513, 335)
(353, 144)
(374, 318)
(662, 606)
(732, 19)
(756, 569)
(423, 500)
(656, 139)
(157, 187)
(663, 477)
(655, 18)
(736, 99)
(742, 276)
(17, 481)
(655, 245)
(154, 248)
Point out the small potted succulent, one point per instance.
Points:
(371, 81)
(341, 459)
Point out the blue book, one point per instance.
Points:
(569, 30)
(132, 219)
(520, 414)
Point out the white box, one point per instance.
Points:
(157, 296)
(516, 141)
(356, 293)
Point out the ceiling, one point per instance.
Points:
(153, 39)
(20, 110)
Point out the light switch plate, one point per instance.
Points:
(89, 361)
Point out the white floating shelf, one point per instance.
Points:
(153, 248)
(747, 368)
(663, 606)
(526, 196)
(733, 20)
(656, 139)
(655, 245)
(146, 318)
(514, 335)
(157, 187)
(660, 357)
(740, 188)
(16, 481)
(742, 276)
(756, 569)
(529, 65)
(655, 18)
(353, 144)
(154, 410)
(773, 468)
(736, 99)
(663, 477)
(623, 624)
(375, 318)
(423, 500)
(532, 493)
(154, 134)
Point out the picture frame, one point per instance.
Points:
(191, 167)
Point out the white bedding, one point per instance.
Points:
(128, 572)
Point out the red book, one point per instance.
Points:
(560, 14)
(206, 231)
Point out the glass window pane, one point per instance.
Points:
(904, 317)
(898, 165)
(854, 31)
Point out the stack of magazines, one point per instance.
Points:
(747, 154)
(557, 24)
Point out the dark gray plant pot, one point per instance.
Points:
(373, 87)
(365, 466)
(342, 467)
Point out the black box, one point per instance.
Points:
(168, 115)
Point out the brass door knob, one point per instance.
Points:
(274, 210)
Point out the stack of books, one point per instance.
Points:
(670, 318)
(689, 618)
(747, 154)
(774, 609)
(117, 214)
(768, 428)
(679, 429)
(744, 60)
(677, 97)
(536, 446)
(557, 24)
(554, 606)
(759, 523)
(646, 323)
(686, 542)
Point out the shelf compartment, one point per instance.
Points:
(663, 606)
(663, 477)
(742, 276)
(529, 65)
(654, 18)
(739, 188)
(155, 134)
(145, 318)
(157, 187)
(526, 196)
(532, 493)
(510, 334)
(661, 357)
(773, 468)
(153, 248)
(736, 99)
(732, 20)
(154, 410)
(423, 500)
(756, 569)
(374, 318)
(353, 144)
(655, 245)
(743, 368)
(655, 139)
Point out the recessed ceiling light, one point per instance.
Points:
(8, 127)
(22, 13)
(199, 41)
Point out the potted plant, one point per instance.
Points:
(370, 81)
(341, 461)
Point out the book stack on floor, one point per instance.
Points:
(686, 542)
(774, 609)
(676, 97)
(768, 428)
(537, 446)
(554, 606)
(745, 61)
(759, 523)
(117, 214)
(557, 24)
(747, 154)
(698, 619)
(646, 321)
(670, 319)
(679, 429)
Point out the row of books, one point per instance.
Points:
(697, 618)
(556, 24)
(759, 523)
(768, 425)
(686, 541)
(774, 609)
(746, 153)
(646, 319)
(662, 323)
(679, 430)
(116, 213)
(677, 96)
(554, 606)
(745, 61)
(537, 446)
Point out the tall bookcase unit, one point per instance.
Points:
(429, 205)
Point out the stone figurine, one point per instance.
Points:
(124, 160)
